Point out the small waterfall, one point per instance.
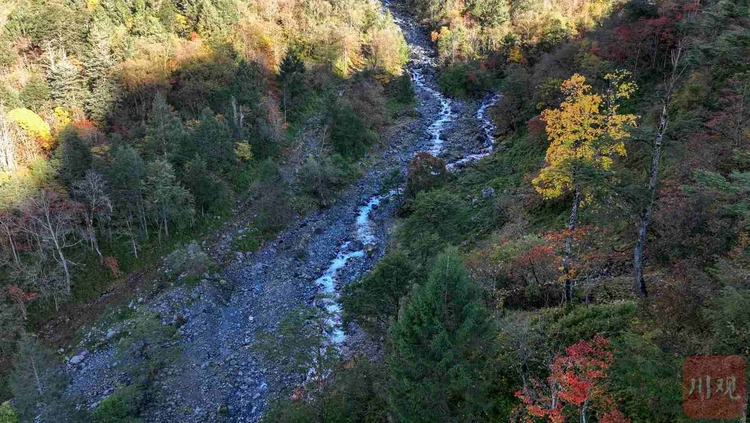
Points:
(445, 117)
(327, 283)
(488, 129)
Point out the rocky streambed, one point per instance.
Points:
(216, 376)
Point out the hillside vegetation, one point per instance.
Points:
(128, 127)
(567, 276)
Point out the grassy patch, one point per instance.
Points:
(247, 241)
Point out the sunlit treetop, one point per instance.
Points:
(585, 131)
(34, 126)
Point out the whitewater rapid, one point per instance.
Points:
(365, 238)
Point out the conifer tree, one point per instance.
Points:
(164, 132)
(212, 140)
(166, 199)
(440, 347)
(126, 176)
(75, 157)
(64, 80)
(98, 63)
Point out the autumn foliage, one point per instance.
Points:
(578, 379)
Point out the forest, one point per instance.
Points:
(566, 277)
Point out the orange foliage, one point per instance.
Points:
(576, 379)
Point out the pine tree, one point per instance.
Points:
(440, 345)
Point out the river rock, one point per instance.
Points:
(76, 359)
(356, 246)
(488, 192)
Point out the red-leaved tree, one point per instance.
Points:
(576, 379)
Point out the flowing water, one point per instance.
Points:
(488, 129)
(420, 63)
(327, 283)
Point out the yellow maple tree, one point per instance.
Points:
(586, 131)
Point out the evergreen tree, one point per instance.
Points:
(210, 192)
(249, 83)
(440, 350)
(126, 176)
(212, 140)
(373, 301)
(98, 63)
(291, 81)
(349, 136)
(164, 132)
(64, 80)
(75, 156)
(166, 199)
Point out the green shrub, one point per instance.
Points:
(464, 79)
(246, 241)
(349, 135)
(400, 89)
(35, 93)
(322, 178)
(570, 325)
(424, 173)
(7, 414)
(439, 218)
(354, 395)
(374, 299)
(393, 180)
(188, 262)
(124, 406)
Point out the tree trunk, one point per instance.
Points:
(12, 242)
(36, 376)
(640, 283)
(572, 222)
(653, 179)
(64, 264)
(92, 238)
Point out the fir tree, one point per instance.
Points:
(164, 132)
(439, 353)
(166, 199)
(64, 80)
(212, 140)
(98, 63)
(126, 176)
(75, 157)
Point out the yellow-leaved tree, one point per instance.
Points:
(585, 132)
